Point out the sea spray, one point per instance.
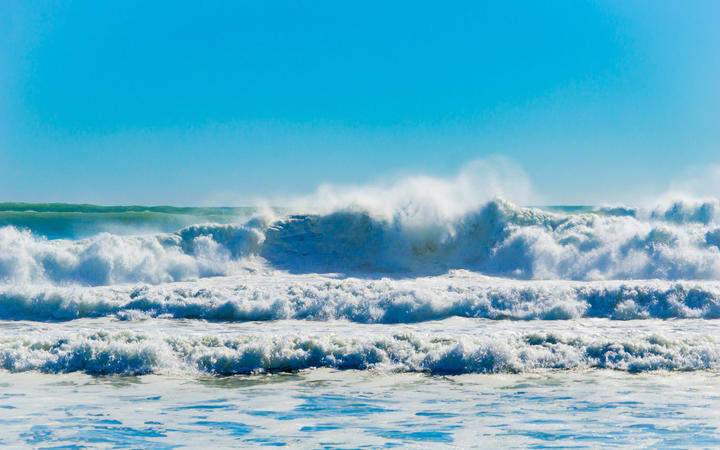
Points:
(499, 238)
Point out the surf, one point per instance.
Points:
(498, 238)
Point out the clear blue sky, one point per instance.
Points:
(218, 102)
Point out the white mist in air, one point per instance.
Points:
(422, 196)
(692, 194)
(701, 183)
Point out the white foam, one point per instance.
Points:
(441, 348)
(496, 238)
(277, 296)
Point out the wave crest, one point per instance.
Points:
(141, 353)
(498, 238)
(368, 301)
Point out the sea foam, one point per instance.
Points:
(497, 238)
(278, 296)
(134, 353)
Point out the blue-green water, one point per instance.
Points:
(502, 325)
(71, 221)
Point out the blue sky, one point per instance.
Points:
(180, 103)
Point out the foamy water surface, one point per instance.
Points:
(408, 323)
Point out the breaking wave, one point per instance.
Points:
(141, 353)
(497, 238)
(258, 298)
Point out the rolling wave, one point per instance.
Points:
(498, 238)
(134, 353)
(313, 298)
(61, 220)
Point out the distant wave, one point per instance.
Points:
(367, 301)
(141, 353)
(61, 220)
(498, 238)
(89, 208)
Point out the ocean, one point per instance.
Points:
(497, 325)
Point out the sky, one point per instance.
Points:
(186, 103)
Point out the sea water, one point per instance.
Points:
(324, 408)
(495, 325)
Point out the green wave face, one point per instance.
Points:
(63, 220)
(76, 221)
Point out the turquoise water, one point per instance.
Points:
(73, 221)
(62, 220)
